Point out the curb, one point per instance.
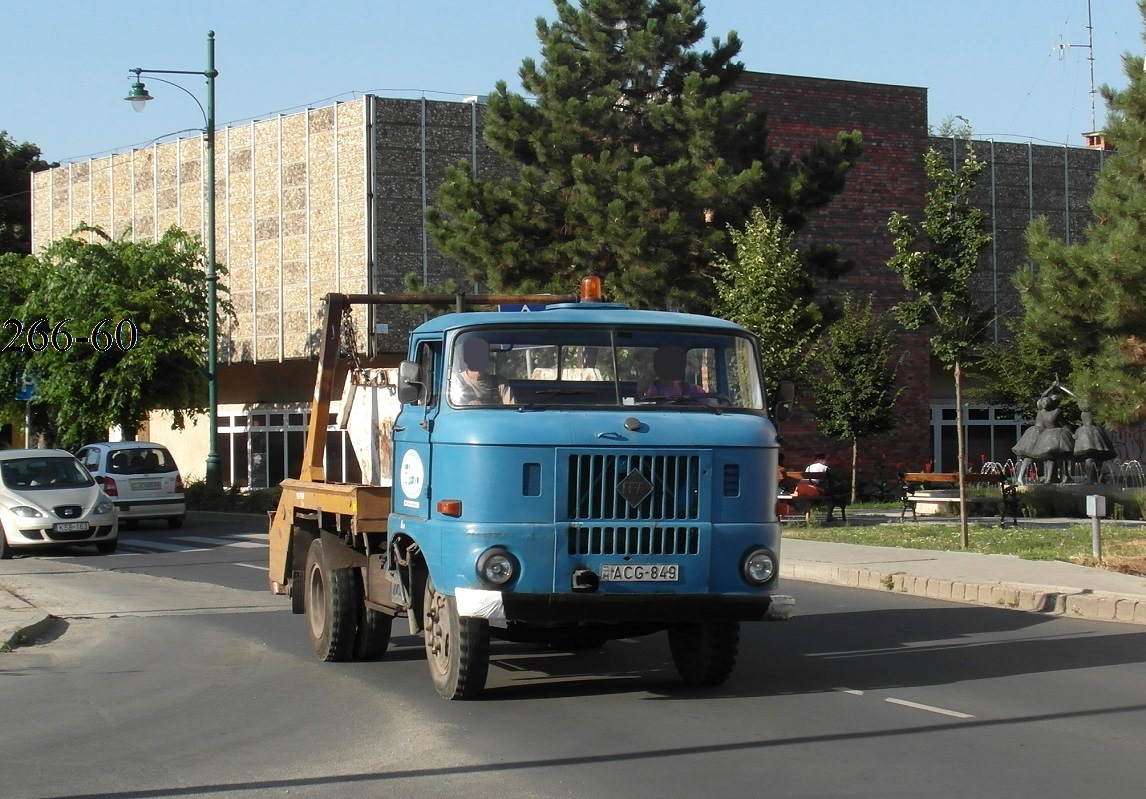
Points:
(32, 622)
(1053, 601)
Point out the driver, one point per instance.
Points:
(473, 385)
(667, 379)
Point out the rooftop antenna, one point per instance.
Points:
(1062, 48)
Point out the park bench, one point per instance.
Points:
(834, 493)
(916, 488)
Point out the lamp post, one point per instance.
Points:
(138, 97)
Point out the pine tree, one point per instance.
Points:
(854, 382)
(937, 260)
(1088, 299)
(632, 161)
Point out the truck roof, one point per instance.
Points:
(579, 313)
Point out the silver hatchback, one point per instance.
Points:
(140, 477)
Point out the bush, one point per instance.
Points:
(233, 499)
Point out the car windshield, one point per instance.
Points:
(29, 474)
(138, 460)
(537, 367)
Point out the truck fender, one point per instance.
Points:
(409, 574)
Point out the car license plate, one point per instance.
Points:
(145, 485)
(70, 527)
(640, 573)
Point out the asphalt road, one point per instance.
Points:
(174, 672)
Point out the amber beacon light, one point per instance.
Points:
(591, 289)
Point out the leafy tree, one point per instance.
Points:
(142, 308)
(1017, 370)
(954, 126)
(1088, 299)
(17, 163)
(765, 288)
(632, 162)
(854, 384)
(937, 260)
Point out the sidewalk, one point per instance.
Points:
(1039, 586)
(1049, 587)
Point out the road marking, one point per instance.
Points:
(142, 543)
(218, 541)
(253, 566)
(851, 691)
(929, 708)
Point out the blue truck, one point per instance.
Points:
(564, 476)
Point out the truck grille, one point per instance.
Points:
(634, 487)
(634, 540)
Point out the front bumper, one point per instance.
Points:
(501, 607)
(44, 536)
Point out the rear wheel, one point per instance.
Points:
(457, 648)
(372, 638)
(331, 612)
(704, 653)
(175, 522)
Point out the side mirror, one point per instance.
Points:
(409, 385)
(785, 400)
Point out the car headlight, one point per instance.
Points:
(496, 568)
(759, 566)
(104, 506)
(26, 511)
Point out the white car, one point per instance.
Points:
(140, 477)
(48, 499)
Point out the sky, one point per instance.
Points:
(1015, 70)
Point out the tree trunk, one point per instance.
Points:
(962, 449)
(855, 472)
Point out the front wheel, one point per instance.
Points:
(457, 648)
(704, 653)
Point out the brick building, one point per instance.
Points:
(333, 199)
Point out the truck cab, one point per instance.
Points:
(586, 472)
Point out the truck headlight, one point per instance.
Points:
(759, 566)
(496, 568)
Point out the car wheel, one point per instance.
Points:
(5, 547)
(129, 524)
(107, 547)
(175, 522)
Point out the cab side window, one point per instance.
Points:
(429, 358)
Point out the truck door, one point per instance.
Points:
(412, 433)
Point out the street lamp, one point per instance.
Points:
(138, 97)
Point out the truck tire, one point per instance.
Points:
(372, 638)
(457, 648)
(331, 610)
(704, 653)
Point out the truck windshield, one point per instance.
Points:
(591, 367)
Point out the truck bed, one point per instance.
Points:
(367, 507)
